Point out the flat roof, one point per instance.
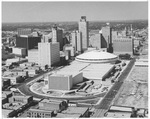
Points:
(118, 115)
(90, 71)
(51, 101)
(60, 115)
(75, 110)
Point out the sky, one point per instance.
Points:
(72, 11)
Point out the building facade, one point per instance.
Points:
(106, 40)
(77, 40)
(27, 42)
(48, 53)
(60, 82)
(20, 51)
(95, 41)
(57, 36)
(33, 56)
(83, 28)
(123, 45)
(24, 31)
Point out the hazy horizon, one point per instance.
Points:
(29, 12)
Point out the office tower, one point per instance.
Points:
(47, 38)
(74, 40)
(48, 53)
(123, 45)
(27, 42)
(95, 40)
(57, 36)
(24, 31)
(77, 40)
(83, 28)
(107, 37)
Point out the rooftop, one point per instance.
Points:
(96, 56)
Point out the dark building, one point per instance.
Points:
(28, 42)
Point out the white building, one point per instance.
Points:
(77, 40)
(83, 28)
(48, 53)
(64, 80)
(19, 51)
(33, 56)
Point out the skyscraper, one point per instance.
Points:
(107, 37)
(57, 36)
(83, 28)
(48, 53)
(77, 40)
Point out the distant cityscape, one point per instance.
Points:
(75, 69)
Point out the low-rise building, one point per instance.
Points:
(55, 105)
(15, 60)
(20, 51)
(14, 78)
(39, 113)
(77, 112)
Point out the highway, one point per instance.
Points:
(109, 97)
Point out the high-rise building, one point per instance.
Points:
(57, 36)
(83, 28)
(27, 42)
(107, 37)
(95, 41)
(24, 31)
(48, 53)
(77, 41)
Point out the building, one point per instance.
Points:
(47, 38)
(15, 60)
(21, 99)
(28, 42)
(46, 108)
(83, 28)
(13, 78)
(5, 83)
(95, 41)
(123, 45)
(19, 51)
(69, 47)
(55, 105)
(106, 40)
(77, 40)
(64, 81)
(119, 112)
(17, 104)
(33, 56)
(24, 31)
(39, 113)
(48, 53)
(97, 57)
(74, 112)
(57, 36)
